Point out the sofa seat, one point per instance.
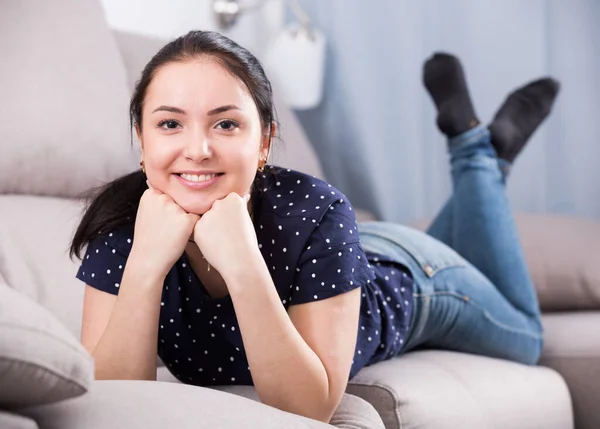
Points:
(444, 389)
(572, 347)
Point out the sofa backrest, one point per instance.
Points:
(64, 101)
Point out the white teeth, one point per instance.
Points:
(196, 178)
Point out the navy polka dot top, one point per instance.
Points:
(308, 236)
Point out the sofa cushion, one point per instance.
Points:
(15, 421)
(572, 347)
(160, 405)
(352, 413)
(40, 361)
(63, 98)
(442, 389)
(562, 254)
(35, 234)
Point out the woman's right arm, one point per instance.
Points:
(121, 331)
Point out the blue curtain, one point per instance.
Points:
(375, 130)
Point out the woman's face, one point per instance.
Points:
(197, 118)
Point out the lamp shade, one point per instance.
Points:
(296, 60)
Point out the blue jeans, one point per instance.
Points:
(473, 292)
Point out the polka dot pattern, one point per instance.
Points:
(308, 237)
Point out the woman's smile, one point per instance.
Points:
(198, 182)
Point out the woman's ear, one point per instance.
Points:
(268, 142)
(138, 132)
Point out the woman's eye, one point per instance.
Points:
(227, 125)
(168, 124)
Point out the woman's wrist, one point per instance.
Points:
(139, 265)
(244, 268)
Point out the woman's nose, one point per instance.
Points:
(198, 147)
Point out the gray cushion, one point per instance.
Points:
(443, 389)
(63, 98)
(160, 405)
(40, 361)
(562, 254)
(352, 413)
(572, 347)
(15, 421)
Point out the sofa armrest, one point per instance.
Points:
(16, 421)
(160, 405)
(352, 413)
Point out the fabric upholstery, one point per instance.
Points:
(352, 413)
(16, 421)
(562, 254)
(160, 405)
(572, 347)
(40, 361)
(64, 99)
(441, 389)
(35, 234)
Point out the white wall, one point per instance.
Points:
(172, 18)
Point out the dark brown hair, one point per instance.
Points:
(115, 204)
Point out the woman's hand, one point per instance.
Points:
(225, 233)
(162, 230)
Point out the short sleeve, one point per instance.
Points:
(102, 266)
(333, 261)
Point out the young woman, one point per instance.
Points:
(238, 272)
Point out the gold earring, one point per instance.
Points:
(207, 264)
(262, 167)
(143, 168)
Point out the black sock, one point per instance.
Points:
(444, 79)
(519, 116)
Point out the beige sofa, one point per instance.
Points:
(63, 105)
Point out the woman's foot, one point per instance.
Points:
(444, 79)
(519, 116)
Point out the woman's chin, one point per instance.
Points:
(195, 208)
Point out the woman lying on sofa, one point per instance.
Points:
(234, 271)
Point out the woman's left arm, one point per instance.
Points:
(300, 362)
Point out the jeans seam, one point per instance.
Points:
(503, 326)
(485, 313)
(422, 321)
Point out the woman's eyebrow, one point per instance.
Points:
(210, 113)
(222, 109)
(169, 109)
